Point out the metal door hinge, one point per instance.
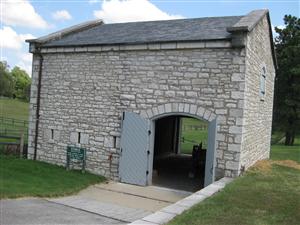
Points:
(148, 152)
(147, 172)
(149, 132)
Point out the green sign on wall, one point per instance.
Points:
(75, 154)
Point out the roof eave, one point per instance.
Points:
(62, 33)
(248, 22)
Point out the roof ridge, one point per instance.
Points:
(196, 18)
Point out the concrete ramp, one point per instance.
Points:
(123, 202)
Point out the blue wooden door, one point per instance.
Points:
(210, 153)
(133, 166)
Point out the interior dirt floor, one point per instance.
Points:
(175, 172)
(177, 180)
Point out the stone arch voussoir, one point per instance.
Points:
(180, 108)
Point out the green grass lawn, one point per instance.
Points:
(268, 193)
(190, 137)
(282, 152)
(21, 178)
(259, 197)
(14, 108)
(17, 110)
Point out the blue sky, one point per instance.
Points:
(23, 19)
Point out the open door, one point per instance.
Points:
(133, 166)
(210, 153)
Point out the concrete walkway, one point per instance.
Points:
(122, 202)
(108, 203)
(40, 211)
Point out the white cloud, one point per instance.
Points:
(93, 1)
(116, 11)
(21, 13)
(61, 15)
(273, 29)
(26, 57)
(280, 26)
(15, 43)
(25, 66)
(11, 40)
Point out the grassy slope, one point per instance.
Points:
(256, 198)
(13, 108)
(16, 109)
(259, 197)
(21, 177)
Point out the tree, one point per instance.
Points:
(287, 84)
(22, 83)
(15, 83)
(6, 81)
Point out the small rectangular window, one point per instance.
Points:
(115, 142)
(79, 137)
(52, 134)
(262, 86)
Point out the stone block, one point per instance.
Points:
(232, 165)
(193, 109)
(234, 147)
(200, 111)
(206, 114)
(168, 108)
(238, 77)
(191, 200)
(84, 138)
(217, 44)
(186, 108)
(235, 129)
(181, 107)
(237, 95)
(108, 142)
(74, 137)
(154, 46)
(236, 112)
(174, 209)
(134, 47)
(159, 217)
(161, 109)
(168, 45)
(150, 113)
(175, 107)
(221, 111)
(127, 97)
(142, 222)
(184, 45)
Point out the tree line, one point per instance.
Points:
(286, 113)
(14, 83)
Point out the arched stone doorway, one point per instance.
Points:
(138, 140)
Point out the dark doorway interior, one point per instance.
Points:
(171, 168)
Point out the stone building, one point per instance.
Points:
(105, 87)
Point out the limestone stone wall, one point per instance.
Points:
(257, 111)
(86, 93)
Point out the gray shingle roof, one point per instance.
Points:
(210, 28)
